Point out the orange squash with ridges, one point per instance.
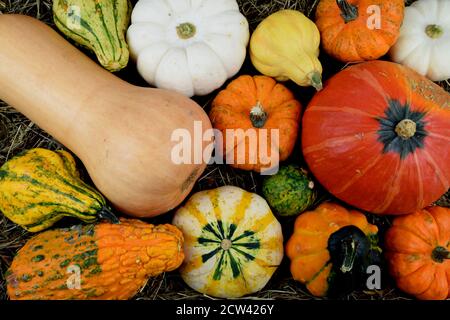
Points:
(418, 252)
(105, 261)
(257, 105)
(358, 30)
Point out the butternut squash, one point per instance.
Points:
(122, 133)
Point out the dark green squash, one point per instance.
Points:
(290, 191)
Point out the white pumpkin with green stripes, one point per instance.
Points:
(233, 242)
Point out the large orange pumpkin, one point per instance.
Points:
(257, 105)
(356, 30)
(418, 252)
(378, 137)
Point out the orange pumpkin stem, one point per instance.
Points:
(348, 11)
(406, 129)
(439, 254)
(258, 116)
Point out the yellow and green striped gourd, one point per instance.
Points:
(40, 186)
(99, 25)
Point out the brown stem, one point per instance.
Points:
(348, 11)
(406, 129)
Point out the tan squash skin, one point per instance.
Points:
(122, 133)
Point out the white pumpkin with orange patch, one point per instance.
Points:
(233, 242)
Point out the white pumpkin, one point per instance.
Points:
(424, 42)
(190, 46)
(233, 243)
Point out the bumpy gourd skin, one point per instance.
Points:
(114, 260)
(101, 27)
(290, 191)
(39, 187)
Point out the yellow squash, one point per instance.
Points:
(39, 187)
(285, 46)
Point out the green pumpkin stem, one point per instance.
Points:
(350, 247)
(440, 254)
(348, 11)
(258, 116)
(316, 80)
(186, 30)
(434, 31)
(106, 214)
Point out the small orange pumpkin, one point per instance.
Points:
(358, 30)
(418, 253)
(331, 248)
(256, 103)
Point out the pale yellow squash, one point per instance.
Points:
(285, 46)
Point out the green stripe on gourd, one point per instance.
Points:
(233, 249)
(98, 25)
